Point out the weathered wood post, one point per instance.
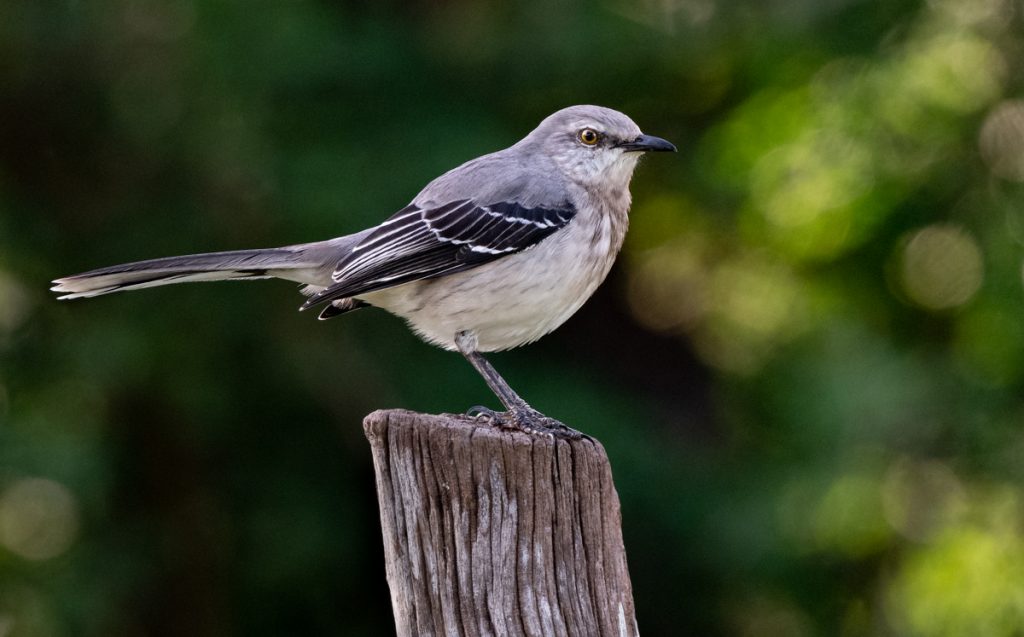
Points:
(490, 532)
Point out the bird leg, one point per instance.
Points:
(520, 414)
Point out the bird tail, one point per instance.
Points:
(297, 263)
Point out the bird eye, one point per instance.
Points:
(589, 136)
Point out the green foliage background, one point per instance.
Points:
(807, 366)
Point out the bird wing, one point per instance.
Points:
(422, 243)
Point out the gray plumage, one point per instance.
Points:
(490, 255)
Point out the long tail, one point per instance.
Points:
(303, 263)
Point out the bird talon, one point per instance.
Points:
(485, 414)
(533, 422)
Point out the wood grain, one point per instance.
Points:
(491, 532)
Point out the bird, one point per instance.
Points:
(491, 255)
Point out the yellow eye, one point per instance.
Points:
(589, 136)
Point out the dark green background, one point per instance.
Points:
(807, 366)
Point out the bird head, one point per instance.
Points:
(594, 145)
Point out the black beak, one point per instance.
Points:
(648, 143)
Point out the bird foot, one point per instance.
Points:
(527, 420)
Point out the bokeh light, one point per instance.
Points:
(922, 497)
(38, 518)
(1002, 140)
(849, 516)
(14, 303)
(755, 306)
(821, 173)
(970, 581)
(668, 287)
(941, 267)
(975, 13)
(957, 71)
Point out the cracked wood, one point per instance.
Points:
(490, 532)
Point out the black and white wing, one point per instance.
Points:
(422, 243)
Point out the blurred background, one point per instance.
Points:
(807, 366)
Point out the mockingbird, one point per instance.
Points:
(491, 255)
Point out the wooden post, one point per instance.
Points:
(490, 532)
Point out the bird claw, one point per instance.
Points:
(479, 412)
(527, 420)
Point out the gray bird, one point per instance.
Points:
(491, 255)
